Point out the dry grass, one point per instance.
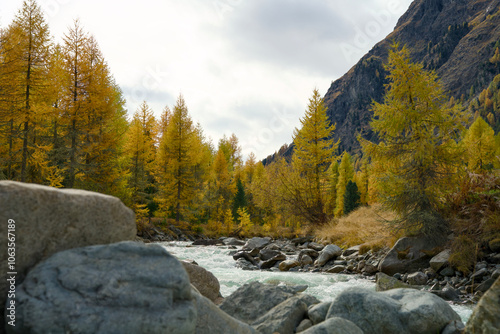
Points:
(364, 226)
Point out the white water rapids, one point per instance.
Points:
(325, 287)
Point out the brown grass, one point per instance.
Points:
(364, 226)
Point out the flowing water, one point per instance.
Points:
(325, 287)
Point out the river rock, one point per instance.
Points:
(447, 293)
(394, 311)
(50, 220)
(418, 278)
(256, 243)
(233, 242)
(478, 275)
(203, 280)
(244, 255)
(447, 271)
(334, 325)
(288, 264)
(211, 319)
(328, 253)
(385, 282)
(253, 300)
(485, 317)
(310, 252)
(272, 261)
(351, 250)
(317, 313)
(126, 287)
(336, 269)
(245, 265)
(316, 246)
(267, 254)
(454, 327)
(304, 324)
(407, 255)
(305, 260)
(440, 260)
(283, 318)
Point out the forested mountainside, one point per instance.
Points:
(458, 39)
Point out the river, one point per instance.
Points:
(325, 287)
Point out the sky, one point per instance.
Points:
(246, 67)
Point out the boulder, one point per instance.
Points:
(310, 252)
(328, 253)
(418, 278)
(408, 255)
(244, 255)
(203, 280)
(245, 265)
(316, 246)
(351, 250)
(251, 301)
(267, 254)
(447, 293)
(447, 271)
(305, 260)
(334, 325)
(211, 319)
(336, 269)
(49, 220)
(393, 311)
(317, 313)
(233, 242)
(385, 282)
(485, 317)
(206, 242)
(495, 245)
(283, 318)
(440, 260)
(272, 261)
(304, 324)
(126, 287)
(256, 243)
(288, 264)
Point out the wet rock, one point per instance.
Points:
(203, 280)
(407, 255)
(418, 278)
(305, 260)
(328, 253)
(256, 243)
(334, 325)
(304, 324)
(448, 271)
(267, 254)
(244, 255)
(440, 260)
(245, 265)
(385, 282)
(207, 242)
(316, 246)
(126, 287)
(336, 269)
(288, 264)
(484, 318)
(271, 262)
(394, 311)
(233, 242)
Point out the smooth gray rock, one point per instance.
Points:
(447, 293)
(393, 311)
(418, 278)
(317, 313)
(283, 318)
(334, 325)
(447, 271)
(50, 220)
(204, 281)
(485, 318)
(233, 242)
(407, 255)
(211, 319)
(271, 262)
(305, 260)
(126, 287)
(440, 260)
(328, 253)
(255, 299)
(454, 327)
(304, 324)
(316, 246)
(288, 264)
(267, 254)
(256, 243)
(336, 269)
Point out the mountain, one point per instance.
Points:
(456, 38)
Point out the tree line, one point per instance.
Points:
(63, 124)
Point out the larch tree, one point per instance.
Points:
(25, 58)
(178, 159)
(346, 173)
(418, 129)
(479, 145)
(333, 179)
(314, 151)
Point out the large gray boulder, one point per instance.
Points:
(441, 260)
(334, 325)
(211, 319)
(317, 313)
(486, 316)
(393, 311)
(385, 282)
(408, 255)
(126, 287)
(203, 280)
(256, 243)
(50, 220)
(328, 253)
(253, 300)
(283, 318)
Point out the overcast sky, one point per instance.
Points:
(243, 66)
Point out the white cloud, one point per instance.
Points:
(243, 66)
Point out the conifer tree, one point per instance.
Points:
(479, 145)
(314, 151)
(346, 173)
(351, 197)
(417, 128)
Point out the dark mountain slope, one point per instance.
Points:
(456, 38)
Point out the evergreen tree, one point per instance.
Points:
(479, 145)
(351, 197)
(417, 128)
(346, 173)
(240, 199)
